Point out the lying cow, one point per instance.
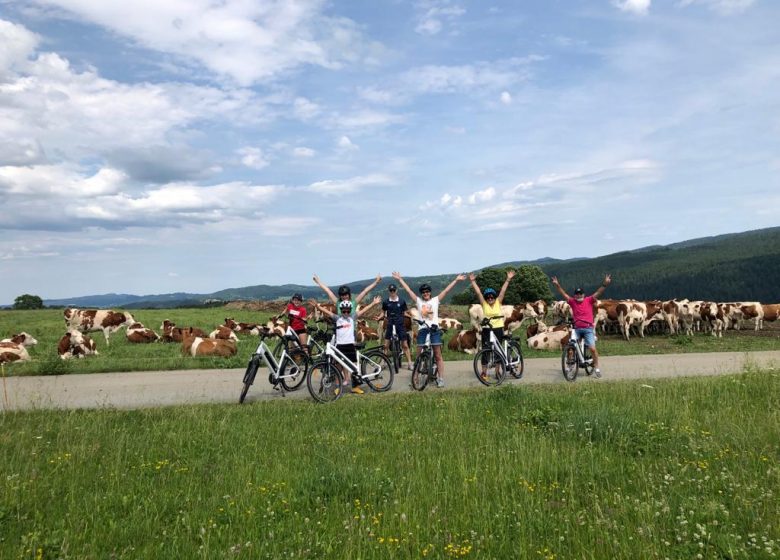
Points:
(551, 339)
(172, 333)
(465, 341)
(223, 332)
(199, 346)
(446, 323)
(248, 328)
(75, 344)
(88, 320)
(13, 352)
(139, 334)
(22, 338)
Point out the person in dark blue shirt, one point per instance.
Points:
(394, 308)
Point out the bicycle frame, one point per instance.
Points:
(502, 349)
(579, 345)
(267, 356)
(338, 356)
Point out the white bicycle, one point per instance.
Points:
(325, 378)
(285, 373)
(498, 358)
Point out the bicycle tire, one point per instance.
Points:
(420, 371)
(281, 345)
(324, 382)
(395, 348)
(495, 368)
(384, 380)
(249, 377)
(588, 365)
(515, 354)
(569, 363)
(299, 359)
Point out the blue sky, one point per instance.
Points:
(195, 145)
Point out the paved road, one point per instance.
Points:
(165, 388)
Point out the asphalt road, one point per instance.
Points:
(167, 388)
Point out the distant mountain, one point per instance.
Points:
(735, 266)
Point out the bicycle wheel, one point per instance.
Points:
(281, 345)
(377, 371)
(588, 365)
(249, 377)
(324, 382)
(495, 368)
(569, 363)
(296, 365)
(395, 348)
(515, 357)
(420, 371)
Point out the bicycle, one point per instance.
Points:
(396, 350)
(315, 346)
(325, 379)
(425, 369)
(575, 355)
(285, 374)
(499, 358)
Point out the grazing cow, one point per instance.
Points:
(199, 346)
(249, 328)
(22, 338)
(551, 339)
(223, 332)
(465, 341)
(13, 352)
(514, 315)
(106, 320)
(752, 310)
(605, 315)
(139, 334)
(771, 312)
(74, 344)
(364, 332)
(172, 333)
(561, 312)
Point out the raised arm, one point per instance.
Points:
(325, 289)
(476, 288)
(368, 288)
(604, 284)
(509, 275)
(322, 309)
(446, 290)
(558, 287)
(368, 307)
(405, 286)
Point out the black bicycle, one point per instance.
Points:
(285, 374)
(425, 369)
(575, 355)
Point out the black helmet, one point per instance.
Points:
(578, 291)
(425, 288)
(392, 288)
(297, 296)
(344, 290)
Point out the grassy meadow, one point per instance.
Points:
(48, 326)
(682, 469)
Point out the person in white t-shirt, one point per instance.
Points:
(345, 321)
(428, 307)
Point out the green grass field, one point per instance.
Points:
(687, 468)
(48, 326)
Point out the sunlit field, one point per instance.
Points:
(681, 469)
(48, 326)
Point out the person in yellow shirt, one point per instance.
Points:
(491, 308)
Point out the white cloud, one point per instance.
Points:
(478, 76)
(345, 143)
(482, 196)
(16, 44)
(723, 7)
(638, 7)
(253, 158)
(506, 98)
(348, 186)
(65, 180)
(247, 41)
(305, 109)
(433, 14)
(303, 152)
(284, 226)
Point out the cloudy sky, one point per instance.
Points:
(194, 145)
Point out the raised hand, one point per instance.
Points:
(316, 279)
(377, 299)
(607, 279)
(472, 277)
(460, 277)
(397, 275)
(554, 280)
(510, 274)
(378, 278)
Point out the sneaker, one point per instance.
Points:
(439, 382)
(409, 367)
(597, 373)
(357, 391)
(336, 391)
(483, 375)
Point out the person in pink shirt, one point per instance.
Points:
(582, 310)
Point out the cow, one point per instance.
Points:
(22, 338)
(514, 315)
(364, 332)
(631, 313)
(752, 311)
(561, 312)
(223, 332)
(139, 334)
(464, 341)
(670, 312)
(249, 328)
(551, 339)
(654, 320)
(446, 323)
(200, 346)
(172, 333)
(536, 328)
(13, 352)
(75, 344)
(771, 312)
(540, 306)
(711, 322)
(106, 320)
(605, 315)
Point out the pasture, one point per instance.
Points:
(685, 468)
(47, 326)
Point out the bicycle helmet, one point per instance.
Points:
(344, 290)
(425, 288)
(297, 296)
(489, 292)
(345, 305)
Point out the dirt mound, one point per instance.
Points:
(256, 305)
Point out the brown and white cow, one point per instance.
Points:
(13, 352)
(22, 338)
(561, 312)
(172, 333)
(605, 315)
(535, 328)
(771, 312)
(200, 346)
(551, 339)
(364, 332)
(752, 311)
(223, 332)
(710, 321)
(106, 320)
(248, 328)
(75, 344)
(464, 341)
(139, 334)
(446, 323)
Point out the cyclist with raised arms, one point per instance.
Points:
(491, 309)
(345, 321)
(345, 293)
(394, 308)
(428, 307)
(582, 310)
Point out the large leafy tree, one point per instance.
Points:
(530, 284)
(27, 301)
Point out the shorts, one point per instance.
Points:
(588, 335)
(349, 351)
(435, 337)
(486, 336)
(400, 331)
(300, 331)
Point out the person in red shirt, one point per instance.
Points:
(297, 314)
(582, 309)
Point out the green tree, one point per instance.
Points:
(530, 284)
(27, 301)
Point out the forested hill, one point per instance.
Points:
(739, 266)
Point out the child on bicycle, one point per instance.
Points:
(428, 307)
(582, 308)
(491, 309)
(345, 293)
(394, 308)
(345, 321)
(297, 314)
